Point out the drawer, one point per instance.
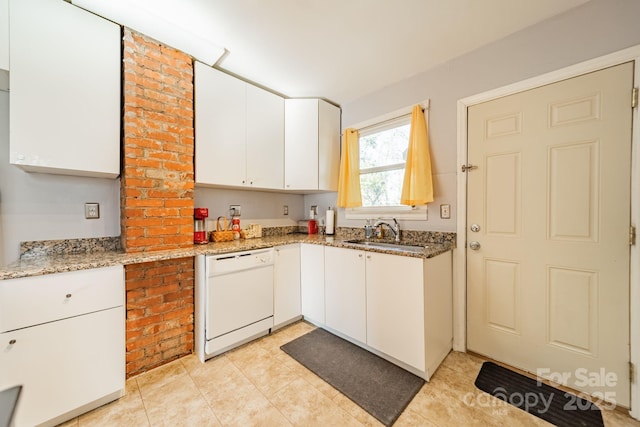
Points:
(34, 300)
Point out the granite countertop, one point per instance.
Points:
(46, 264)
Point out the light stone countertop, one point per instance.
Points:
(47, 264)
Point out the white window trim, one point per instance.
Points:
(415, 213)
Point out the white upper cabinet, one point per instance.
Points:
(4, 34)
(312, 145)
(265, 138)
(239, 132)
(220, 127)
(64, 89)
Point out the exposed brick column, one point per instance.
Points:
(157, 180)
(157, 184)
(159, 313)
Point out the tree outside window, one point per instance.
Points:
(383, 155)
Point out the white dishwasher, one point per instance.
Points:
(234, 300)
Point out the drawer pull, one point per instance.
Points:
(68, 296)
(12, 342)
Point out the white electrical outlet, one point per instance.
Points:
(445, 211)
(92, 210)
(235, 210)
(285, 210)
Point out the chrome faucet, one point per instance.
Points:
(395, 227)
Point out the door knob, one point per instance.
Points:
(475, 228)
(474, 245)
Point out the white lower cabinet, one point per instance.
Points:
(396, 306)
(286, 295)
(395, 303)
(312, 282)
(72, 362)
(345, 292)
(409, 309)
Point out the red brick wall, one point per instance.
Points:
(156, 195)
(157, 180)
(159, 313)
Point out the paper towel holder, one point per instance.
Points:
(329, 226)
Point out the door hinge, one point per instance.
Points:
(468, 167)
(632, 235)
(632, 372)
(634, 97)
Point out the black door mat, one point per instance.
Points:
(381, 388)
(551, 404)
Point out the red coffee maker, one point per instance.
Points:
(199, 232)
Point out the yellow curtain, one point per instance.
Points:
(349, 195)
(417, 188)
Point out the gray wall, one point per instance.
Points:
(261, 207)
(37, 206)
(597, 28)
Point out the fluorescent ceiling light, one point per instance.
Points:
(143, 20)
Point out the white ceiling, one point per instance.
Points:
(344, 49)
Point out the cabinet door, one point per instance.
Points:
(220, 128)
(65, 89)
(265, 139)
(4, 34)
(345, 294)
(328, 146)
(395, 307)
(301, 144)
(286, 298)
(64, 365)
(312, 282)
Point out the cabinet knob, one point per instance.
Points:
(359, 255)
(12, 342)
(67, 296)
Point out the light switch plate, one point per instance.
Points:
(92, 210)
(235, 210)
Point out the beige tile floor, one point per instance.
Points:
(259, 385)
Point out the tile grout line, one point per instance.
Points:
(263, 393)
(201, 393)
(146, 413)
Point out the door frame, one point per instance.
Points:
(460, 259)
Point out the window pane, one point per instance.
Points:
(382, 188)
(383, 148)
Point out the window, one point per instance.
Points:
(383, 154)
(383, 145)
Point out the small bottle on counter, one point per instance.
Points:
(312, 225)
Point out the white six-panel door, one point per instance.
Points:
(548, 281)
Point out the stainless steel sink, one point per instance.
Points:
(387, 246)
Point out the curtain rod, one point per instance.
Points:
(386, 121)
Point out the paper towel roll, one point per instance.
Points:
(329, 221)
